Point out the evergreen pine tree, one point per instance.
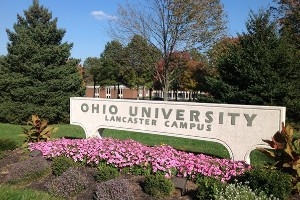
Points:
(40, 76)
(262, 69)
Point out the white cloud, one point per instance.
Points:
(100, 15)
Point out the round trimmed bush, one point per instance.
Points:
(271, 182)
(208, 187)
(158, 186)
(113, 189)
(68, 184)
(28, 170)
(239, 191)
(60, 164)
(8, 144)
(106, 172)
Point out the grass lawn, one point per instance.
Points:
(196, 146)
(10, 192)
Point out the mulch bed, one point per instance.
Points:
(17, 155)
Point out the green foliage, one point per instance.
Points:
(286, 154)
(246, 71)
(61, 164)
(270, 182)
(106, 172)
(208, 187)
(158, 186)
(39, 131)
(8, 144)
(180, 33)
(93, 71)
(240, 192)
(141, 58)
(113, 190)
(28, 170)
(2, 155)
(137, 170)
(40, 78)
(288, 12)
(259, 67)
(113, 60)
(70, 183)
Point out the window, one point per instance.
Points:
(108, 92)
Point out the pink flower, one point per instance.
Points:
(126, 153)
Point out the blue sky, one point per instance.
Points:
(84, 20)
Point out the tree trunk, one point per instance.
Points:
(150, 94)
(143, 94)
(94, 87)
(166, 85)
(118, 97)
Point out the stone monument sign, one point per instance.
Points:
(240, 128)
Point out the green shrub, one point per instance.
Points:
(28, 170)
(2, 155)
(60, 164)
(137, 170)
(240, 192)
(271, 182)
(114, 189)
(8, 144)
(158, 186)
(106, 172)
(286, 153)
(207, 187)
(68, 184)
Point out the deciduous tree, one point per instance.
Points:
(171, 25)
(289, 18)
(197, 69)
(141, 57)
(114, 63)
(93, 70)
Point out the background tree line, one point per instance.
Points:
(260, 66)
(167, 45)
(140, 64)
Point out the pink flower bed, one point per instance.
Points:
(126, 153)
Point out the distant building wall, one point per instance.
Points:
(111, 92)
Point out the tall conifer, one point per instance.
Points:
(262, 68)
(41, 75)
